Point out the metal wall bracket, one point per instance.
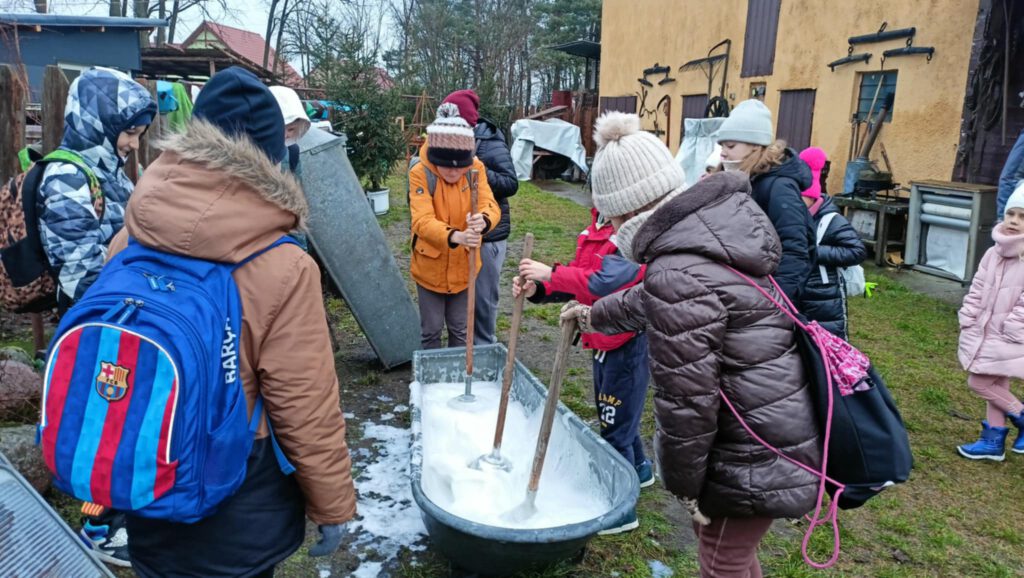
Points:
(909, 51)
(862, 57)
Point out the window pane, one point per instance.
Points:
(869, 85)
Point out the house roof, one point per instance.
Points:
(246, 44)
(61, 20)
(584, 48)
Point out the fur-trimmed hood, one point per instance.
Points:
(214, 196)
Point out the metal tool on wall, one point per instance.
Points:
(862, 177)
(717, 106)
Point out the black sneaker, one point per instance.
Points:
(106, 535)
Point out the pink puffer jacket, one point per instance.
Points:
(992, 317)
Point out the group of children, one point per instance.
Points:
(220, 192)
(649, 264)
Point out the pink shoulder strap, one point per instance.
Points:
(831, 516)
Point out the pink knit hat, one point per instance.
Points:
(815, 158)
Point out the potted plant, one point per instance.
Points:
(375, 141)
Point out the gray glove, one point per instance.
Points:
(695, 513)
(581, 313)
(330, 539)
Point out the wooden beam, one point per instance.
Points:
(12, 122)
(55, 97)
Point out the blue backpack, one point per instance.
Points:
(143, 408)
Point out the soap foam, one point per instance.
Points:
(452, 438)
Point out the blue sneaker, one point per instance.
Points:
(990, 446)
(1018, 422)
(646, 474)
(627, 523)
(106, 536)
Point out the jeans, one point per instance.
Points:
(438, 310)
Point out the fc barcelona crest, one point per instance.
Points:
(112, 382)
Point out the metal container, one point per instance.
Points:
(346, 236)
(491, 550)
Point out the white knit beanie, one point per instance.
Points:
(750, 122)
(632, 168)
(1016, 200)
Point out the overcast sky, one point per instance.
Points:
(249, 15)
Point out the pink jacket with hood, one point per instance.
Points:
(992, 316)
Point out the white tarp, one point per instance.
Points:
(554, 135)
(696, 145)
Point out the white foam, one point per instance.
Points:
(659, 569)
(452, 438)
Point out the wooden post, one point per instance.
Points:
(12, 122)
(55, 98)
(148, 152)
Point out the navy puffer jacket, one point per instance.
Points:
(777, 192)
(501, 173)
(841, 246)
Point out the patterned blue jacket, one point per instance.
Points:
(101, 104)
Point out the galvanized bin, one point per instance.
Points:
(34, 540)
(346, 236)
(491, 550)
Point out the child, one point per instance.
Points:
(493, 152)
(709, 332)
(443, 228)
(106, 114)
(76, 224)
(620, 361)
(992, 334)
(777, 176)
(218, 193)
(296, 123)
(839, 245)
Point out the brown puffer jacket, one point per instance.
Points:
(710, 331)
(219, 198)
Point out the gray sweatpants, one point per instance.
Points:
(488, 292)
(438, 310)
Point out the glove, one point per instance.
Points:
(581, 313)
(695, 513)
(330, 539)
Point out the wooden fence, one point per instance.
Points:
(14, 120)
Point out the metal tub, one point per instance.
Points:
(496, 551)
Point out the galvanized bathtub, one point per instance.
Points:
(495, 551)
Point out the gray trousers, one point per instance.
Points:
(438, 310)
(488, 292)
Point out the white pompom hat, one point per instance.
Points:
(632, 168)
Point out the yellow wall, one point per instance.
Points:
(922, 138)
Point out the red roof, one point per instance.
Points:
(248, 45)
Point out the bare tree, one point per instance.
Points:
(40, 6)
(115, 8)
(271, 20)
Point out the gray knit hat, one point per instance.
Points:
(750, 122)
(632, 168)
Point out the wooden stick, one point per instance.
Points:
(513, 338)
(471, 301)
(554, 390)
(38, 333)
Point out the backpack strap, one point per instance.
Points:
(431, 177)
(284, 240)
(832, 515)
(822, 229)
(66, 156)
(254, 424)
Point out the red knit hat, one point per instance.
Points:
(468, 103)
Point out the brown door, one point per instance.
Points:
(618, 103)
(796, 115)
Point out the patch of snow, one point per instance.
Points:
(385, 398)
(387, 417)
(324, 569)
(400, 408)
(389, 519)
(367, 570)
(348, 415)
(659, 569)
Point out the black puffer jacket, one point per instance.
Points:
(501, 173)
(711, 332)
(777, 192)
(840, 247)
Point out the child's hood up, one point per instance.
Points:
(102, 103)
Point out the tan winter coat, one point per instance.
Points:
(221, 199)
